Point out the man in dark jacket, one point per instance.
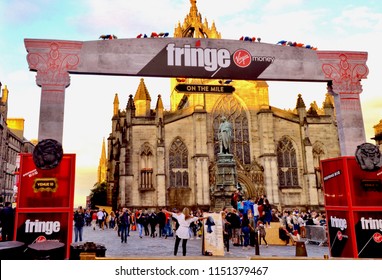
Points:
(234, 219)
(79, 222)
(152, 219)
(7, 217)
(124, 224)
(161, 217)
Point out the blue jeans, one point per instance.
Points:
(245, 231)
(78, 233)
(124, 233)
(140, 229)
(168, 229)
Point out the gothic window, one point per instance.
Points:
(318, 155)
(178, 164)
(146, 168)
(287, 163)
(229, 107)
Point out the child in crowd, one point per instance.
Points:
(262, 233)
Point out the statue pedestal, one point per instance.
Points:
(226, 181)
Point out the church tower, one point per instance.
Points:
(169, 158)
(102, 167)
(142, 100)
(193, 27)
(255, 92)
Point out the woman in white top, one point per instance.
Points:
(183, 232)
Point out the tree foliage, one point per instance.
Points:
(98, 195)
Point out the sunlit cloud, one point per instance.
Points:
(21, 11)
(126, 18)
(362, 18)
(277, 5)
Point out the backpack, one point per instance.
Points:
(240, 206)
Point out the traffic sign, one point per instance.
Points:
(192, 88)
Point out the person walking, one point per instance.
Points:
(79, 222)
(226, 231)
(145, 217)
(125, 223)
(105, 223)
(245, 230)
(88, 218)
(112, 220)
(168, 226)
(267, 212)
(262, 233)
(234, 219)
(183, 232)
(100, 219)
(140, 222)
(94, 219)
(7, 218)
(152, 221)
(252, 229)
(161, 216)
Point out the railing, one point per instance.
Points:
(317, 234)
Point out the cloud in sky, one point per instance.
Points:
(20, 12)
(363, 19)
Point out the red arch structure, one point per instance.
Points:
(55, 60)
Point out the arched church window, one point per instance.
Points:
(229, 107)
(146, 168)
(178, 164)
(287, 163)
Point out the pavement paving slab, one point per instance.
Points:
(163, 248)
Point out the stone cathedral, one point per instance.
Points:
(167, 158)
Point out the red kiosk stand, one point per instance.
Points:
(353, 203)
(44, 210)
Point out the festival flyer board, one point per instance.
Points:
(213, 234)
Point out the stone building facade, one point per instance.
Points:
(378, 134)
(12, 143)
(166, 158)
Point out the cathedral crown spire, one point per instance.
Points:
(194, 27)
(115, 105)
(142, 100)
(300, 102)
(102, 164)
(142, 92)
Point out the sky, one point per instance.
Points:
(328, 25)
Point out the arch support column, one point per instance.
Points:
(52, 60)
(346, 70)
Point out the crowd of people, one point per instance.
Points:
(182, 225)
(293, 223)
(244, 224)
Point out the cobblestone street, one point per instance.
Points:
(148, 247)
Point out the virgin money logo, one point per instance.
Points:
(377, 237)
(242, 58)
(339, 235)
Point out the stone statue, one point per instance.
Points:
(225, 136)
